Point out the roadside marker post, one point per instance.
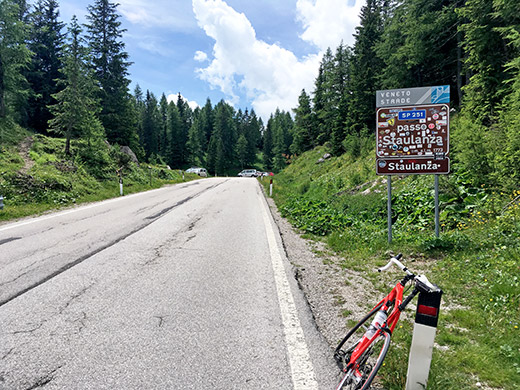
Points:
(1, 202)
(426, 319)
(271, 188)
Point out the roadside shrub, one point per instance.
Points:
(314, 216)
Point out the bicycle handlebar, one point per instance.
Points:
(395, 260)
(420, 280)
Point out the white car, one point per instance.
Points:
(248, 173)
(199, 171)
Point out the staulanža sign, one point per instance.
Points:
(413, 127)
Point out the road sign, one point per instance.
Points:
(412, 166)
(413, 96)
(411, 132)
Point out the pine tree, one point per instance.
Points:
(151, 127)
(419, 45)
(241, 150)
(324, 97)
(267, 149)
(14, 58)
(196, 140)
(225, 136)
(185, 116)
(76, 108)
(487, 55)
(207, 121)
(110, 63)
(341, 88)
(164, 145)
(304, 137)
(175, 153)
(282, 127)
(46, 42)
(366, 67)
(139, 108)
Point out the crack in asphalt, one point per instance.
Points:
(34, 329)
(74, 297)
(81, 259)
(44, 379)
(7, 353)
(6, 240)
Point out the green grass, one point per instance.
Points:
(476, 259)
(56, 181)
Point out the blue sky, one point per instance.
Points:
(252, 53)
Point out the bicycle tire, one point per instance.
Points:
(369, 362)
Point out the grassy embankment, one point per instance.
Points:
(476, 260)
(40, 178)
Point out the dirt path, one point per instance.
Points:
(25, 148)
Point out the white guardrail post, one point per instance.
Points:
(426, 319)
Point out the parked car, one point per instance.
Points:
(199, 171)
(248, 173)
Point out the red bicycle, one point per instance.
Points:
(361, 352)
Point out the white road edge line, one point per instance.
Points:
(302, 371)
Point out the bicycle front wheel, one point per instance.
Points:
(368, 363)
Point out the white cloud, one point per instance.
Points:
(200, 56)
(171, 14)
(327, 22)
(173, 97)
(271, 76)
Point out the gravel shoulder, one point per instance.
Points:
(333, 293)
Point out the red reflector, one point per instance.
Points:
(427, 310)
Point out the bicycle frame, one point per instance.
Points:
(393, 300)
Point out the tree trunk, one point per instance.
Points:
(2, 90)
(459, 68)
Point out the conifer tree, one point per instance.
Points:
(267, 149)
(324, 97)
(225, 137)
(46, 43)
(163, 138)
(174, 134)
(207, 121)
(110, 64)
(241, 150)
(14, 58)
(151, 127)
(341, 88)
(487, 55)
(196, 140)
(139, 107)
(304, 137)
(76, 108)
(366, 68)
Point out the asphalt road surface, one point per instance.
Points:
(185, 287)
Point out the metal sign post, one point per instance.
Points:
(389, 207)
(437, 206)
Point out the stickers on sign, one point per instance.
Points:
(381, 163)
(435, 116)
(431, 126)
